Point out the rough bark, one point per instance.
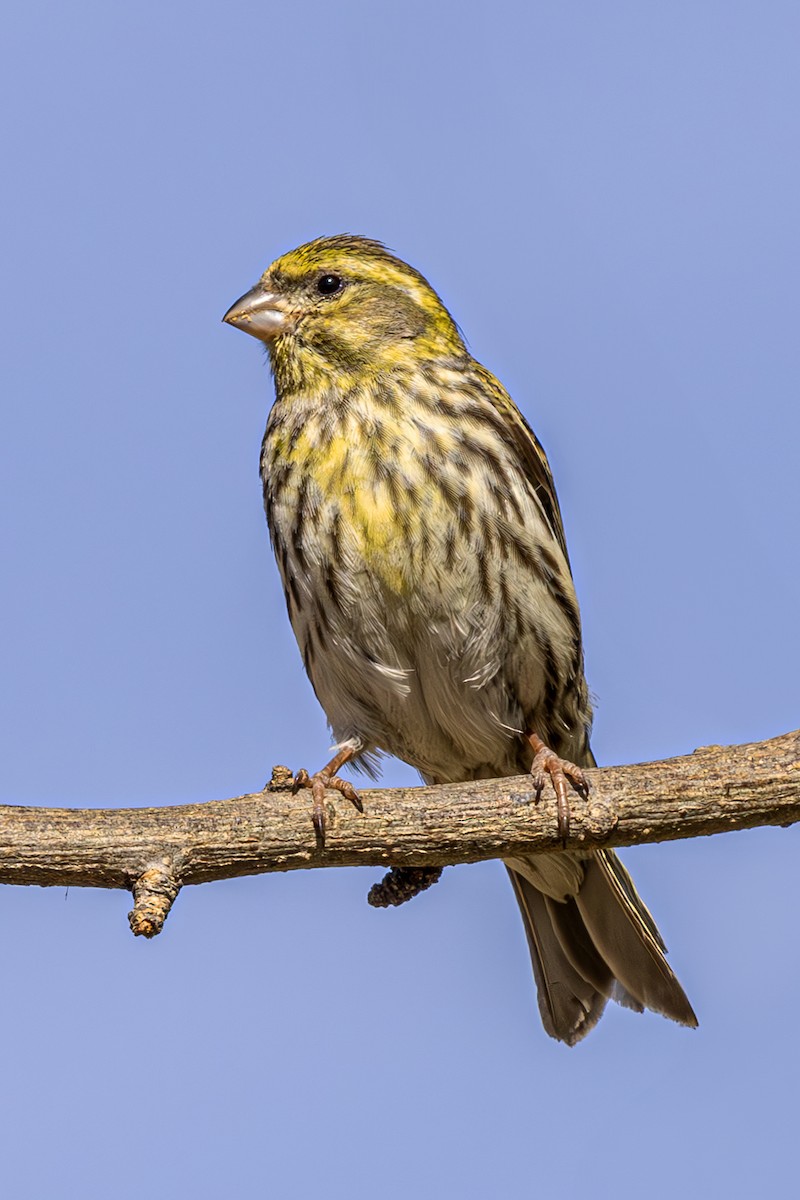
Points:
(155, 851)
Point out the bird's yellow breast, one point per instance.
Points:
(367, 472)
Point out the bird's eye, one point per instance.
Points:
(328, 285)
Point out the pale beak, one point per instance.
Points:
(258, 312)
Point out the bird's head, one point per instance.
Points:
(344, 304)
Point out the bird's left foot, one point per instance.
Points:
(547, 762)
(327, 778)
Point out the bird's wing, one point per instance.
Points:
(518, 436)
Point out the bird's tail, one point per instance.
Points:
(591, 939)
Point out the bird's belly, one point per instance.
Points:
(418, 662)
(408, 692)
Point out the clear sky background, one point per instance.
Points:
(607, 196)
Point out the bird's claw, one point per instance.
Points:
(318, 783)
(547, 762)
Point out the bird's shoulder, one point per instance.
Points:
(521, 441)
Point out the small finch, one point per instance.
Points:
(418, 535)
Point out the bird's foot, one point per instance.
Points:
(547, 762)
(327, 778)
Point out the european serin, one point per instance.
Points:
(419, 540)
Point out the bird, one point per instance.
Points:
(414, 519)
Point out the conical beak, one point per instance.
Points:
(258, 312)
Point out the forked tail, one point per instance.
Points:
(592, 939)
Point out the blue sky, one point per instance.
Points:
(606, 196)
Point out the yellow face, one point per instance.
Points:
(347, 301)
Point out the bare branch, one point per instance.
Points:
(156, 851)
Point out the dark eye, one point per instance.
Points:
(328, 285)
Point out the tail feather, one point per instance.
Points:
(624, 933)
(582, 952)
(570, 1006)
(620, 880)
(579, 948)
(595, 941)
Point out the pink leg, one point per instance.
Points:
(546, 762)
(327, 778)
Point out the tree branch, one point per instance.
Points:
(155, 851)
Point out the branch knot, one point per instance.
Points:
(154, 893)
